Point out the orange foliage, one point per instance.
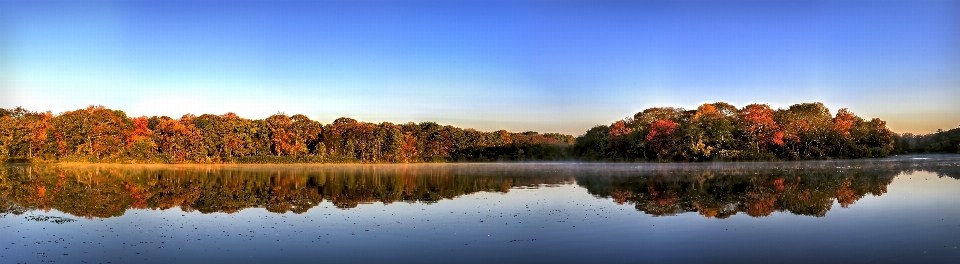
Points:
(281, 136)
(618, 128)
(140, 130)
(409, 147)
(843, 122)
(505, 137)
(177, 139)
(761, 204)
(706, 111)
(779, 184)
(138, 194)
(846, 195)
(757, 120)
(661, 128)
(661, 138)
(91, 108)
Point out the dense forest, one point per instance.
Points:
(717, 131)
(98, 134)
(939, 142)
(720, 131)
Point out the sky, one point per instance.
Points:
(520, 65)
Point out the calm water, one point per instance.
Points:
(900, 209)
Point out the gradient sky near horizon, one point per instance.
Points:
(541, 65)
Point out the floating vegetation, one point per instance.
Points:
(6, 209)
(47, 218)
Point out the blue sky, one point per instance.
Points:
(542, 65)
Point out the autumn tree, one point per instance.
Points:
(843, 122)
(760, 131)
(95, 131)
(646, 117)
(662, 138)
(109, 132)
(618, 143)
(140, 143)
(6, 133)
(72, 132)
(282, 137)
(256, 137)
(843, 141)
(336, 135)
(26, 132)
(411, 143)
(233, 136)
(710, 131)
(874, 136)
(179, 140)
(307, 134)
(364, 141)
(806, 130)
(214, 131)
(391, 142)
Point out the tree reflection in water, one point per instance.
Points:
(717, 190)
(107, 191)
(757, 189)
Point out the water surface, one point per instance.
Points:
(900, 209)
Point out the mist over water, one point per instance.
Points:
(898, 209)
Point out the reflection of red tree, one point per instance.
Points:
(881, 190)
(662, 199)
(845, 195)
(760, 202)
(706, 211)
(779, 184)
(139, 196)
(41, 191)
(621, 196)
(505, 186)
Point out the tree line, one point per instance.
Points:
(720, 131)
(939, 142)
(97, 133)
(714, 131)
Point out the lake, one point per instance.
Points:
(898, 209)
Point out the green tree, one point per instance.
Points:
(307, 134)
(806, 130)
(591, 145)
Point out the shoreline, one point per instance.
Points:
(444, 163)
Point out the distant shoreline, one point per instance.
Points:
(713, 132)
(358, 164)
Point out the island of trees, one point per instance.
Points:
(716, 131)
